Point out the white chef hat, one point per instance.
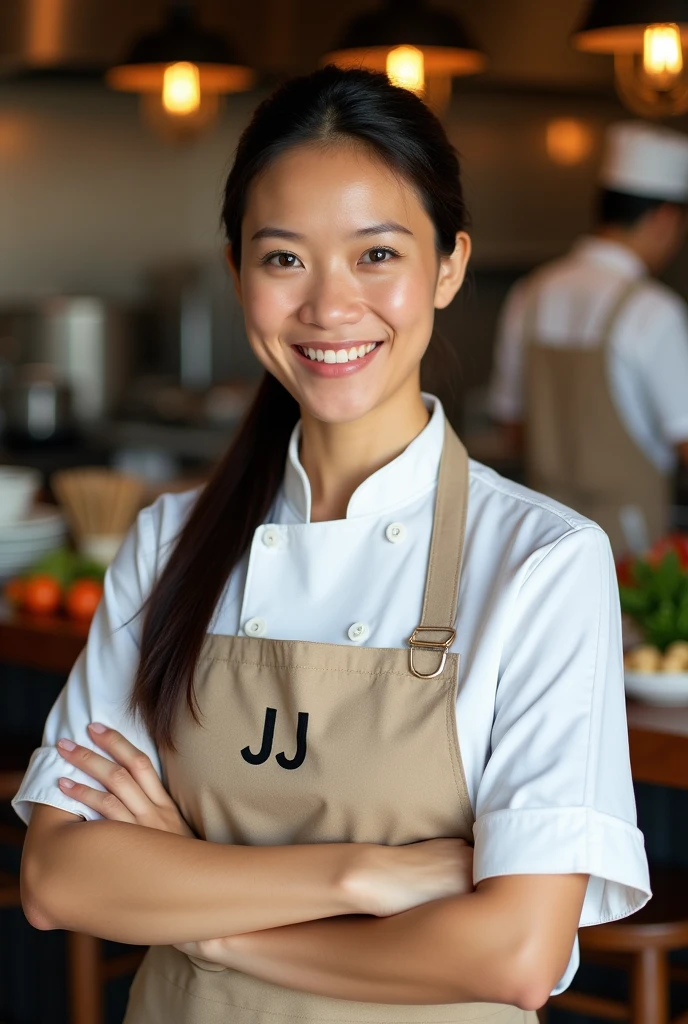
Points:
(644, 160)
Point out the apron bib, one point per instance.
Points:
(320, 743)
(578, 449)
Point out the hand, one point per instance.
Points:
(134, 792)
(390, 879)
(209, 954)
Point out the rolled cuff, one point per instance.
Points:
(567, 841)
(564, 841)
(39, 786)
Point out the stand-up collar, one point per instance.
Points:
(610, 254)
(398, 483)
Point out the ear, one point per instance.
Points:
(452, 271)
(233, 271)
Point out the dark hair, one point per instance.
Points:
(327, 107)
(621, 210)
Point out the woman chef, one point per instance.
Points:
(338, 701)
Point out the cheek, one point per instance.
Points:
(267, 304)
(405, 302)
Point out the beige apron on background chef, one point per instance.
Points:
(592, 353)
(287, 757)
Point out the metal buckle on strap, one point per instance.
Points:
(439, 646)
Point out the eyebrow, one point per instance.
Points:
(387, 227)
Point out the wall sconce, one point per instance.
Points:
(420, 48)
(181, 72)
(646, 38)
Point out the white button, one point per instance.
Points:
(271, 537)
(255, 627)
(359, 632)
(395, 532)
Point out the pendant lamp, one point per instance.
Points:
(180, 72)
(421, 48)
(649, 41)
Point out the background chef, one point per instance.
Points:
(592, 351)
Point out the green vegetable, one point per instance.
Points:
(66, 566)
(657, 600)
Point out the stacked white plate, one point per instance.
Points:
(24, 542)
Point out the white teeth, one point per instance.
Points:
(329, 355)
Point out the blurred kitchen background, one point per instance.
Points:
(120, 338)
(121, 342)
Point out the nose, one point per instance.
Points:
(331, 301)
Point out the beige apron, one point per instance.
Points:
(578, 450)
(321, 743)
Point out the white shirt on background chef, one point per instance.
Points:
(567, 304)
(541, 698)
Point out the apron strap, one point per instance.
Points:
(530, 333)
(618, 305)
(435, 635)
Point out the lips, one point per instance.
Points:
(337, 355)
(338, 360)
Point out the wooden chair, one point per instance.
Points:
(640, 945)
(87, 969)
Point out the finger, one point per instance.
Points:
(112, 776)
(138, 764)
(106, 804)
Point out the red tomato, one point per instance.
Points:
(677, 542)
(42, 595)
(623, 571)
(15, 592)
(82, 599)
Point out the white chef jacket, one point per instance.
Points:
(540, 708)
(648, 356)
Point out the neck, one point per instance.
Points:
(627, 238)
(338, 457)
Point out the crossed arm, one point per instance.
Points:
(377, 924)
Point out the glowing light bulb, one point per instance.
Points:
(568, 141)
(662, 55)
(406, 68)
(181, 88)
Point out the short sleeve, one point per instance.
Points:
(505, 395)
(99, 686)
(556, 796)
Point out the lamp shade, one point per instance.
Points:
(618, 26)
(181, 39)
(447, 47)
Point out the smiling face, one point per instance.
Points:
(340, 278)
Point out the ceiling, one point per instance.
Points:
(526, 40)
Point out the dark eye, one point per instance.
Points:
(380, 254)
(281, 259)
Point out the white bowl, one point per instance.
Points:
(40, 521)
(665, 689)
(18, 487)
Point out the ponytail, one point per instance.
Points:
(218, 532)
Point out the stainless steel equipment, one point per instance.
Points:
(37, 407)
(86, 340)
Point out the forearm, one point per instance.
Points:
(508, 942)
(145, 886)
(449, 951)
